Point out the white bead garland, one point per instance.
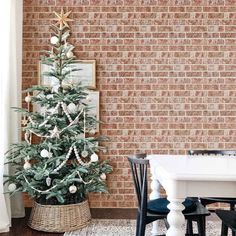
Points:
(64, 162)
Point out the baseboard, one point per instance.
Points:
(107, 213)
(114, 213)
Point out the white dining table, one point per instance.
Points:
(190, 176)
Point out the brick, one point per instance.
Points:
(165, 70)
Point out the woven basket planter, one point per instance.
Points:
(59, 218)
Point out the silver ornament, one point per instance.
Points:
(48, 181)
(84, 153)
(72, 189)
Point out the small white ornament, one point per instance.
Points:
(84, 153)
(72, 108)
(55, 88)
(44, 153)
(104, 150)
(103, 176)
(69, 54)
(94, 157)
(27, 165)
(48, 181)
(28, 98)
(92, 131)
(49, 154)
(54, 40)
(72, 189)
(11, 187)
(55, 133)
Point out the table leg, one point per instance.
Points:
(155, 186)
(175, 217)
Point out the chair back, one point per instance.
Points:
(139, 168)
(212, 152)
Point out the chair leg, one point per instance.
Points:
(166, 224)
(232, 208)
(142, 228)
(224, 230)
(201, 226)
(189, 229)
(137, 225)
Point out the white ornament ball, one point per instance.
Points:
(49, 154)
(44, 153)
(92, 131)
(72, 108)
(72, 189)
(84, 153)
(69, 54)
(94, 157)
(103, 176)
(27, 165)
(54, 40)
(28, 98)
(11, 187)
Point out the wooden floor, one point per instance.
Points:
(20, 228)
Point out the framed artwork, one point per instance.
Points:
(93, 103)
(86, 74)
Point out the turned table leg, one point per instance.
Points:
(155, 186)
(175, 217)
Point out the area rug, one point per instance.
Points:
(100, 227)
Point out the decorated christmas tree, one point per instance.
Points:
(63, 165)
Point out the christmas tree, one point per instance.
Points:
(62, 167)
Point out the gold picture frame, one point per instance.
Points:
(86, 74)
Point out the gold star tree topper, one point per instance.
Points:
(62, 18)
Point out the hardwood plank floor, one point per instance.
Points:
(20, 228)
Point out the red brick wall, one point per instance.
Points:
(166, 71)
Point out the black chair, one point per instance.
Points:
(149, 211)
(209, 200)
(228, 221)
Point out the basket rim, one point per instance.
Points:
(74, 204)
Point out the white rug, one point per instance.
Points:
(127, 228)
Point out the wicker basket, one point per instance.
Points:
(59, 218)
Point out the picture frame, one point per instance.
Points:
(86, 74)
(94, 102)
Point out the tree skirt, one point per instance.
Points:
(127, 228)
